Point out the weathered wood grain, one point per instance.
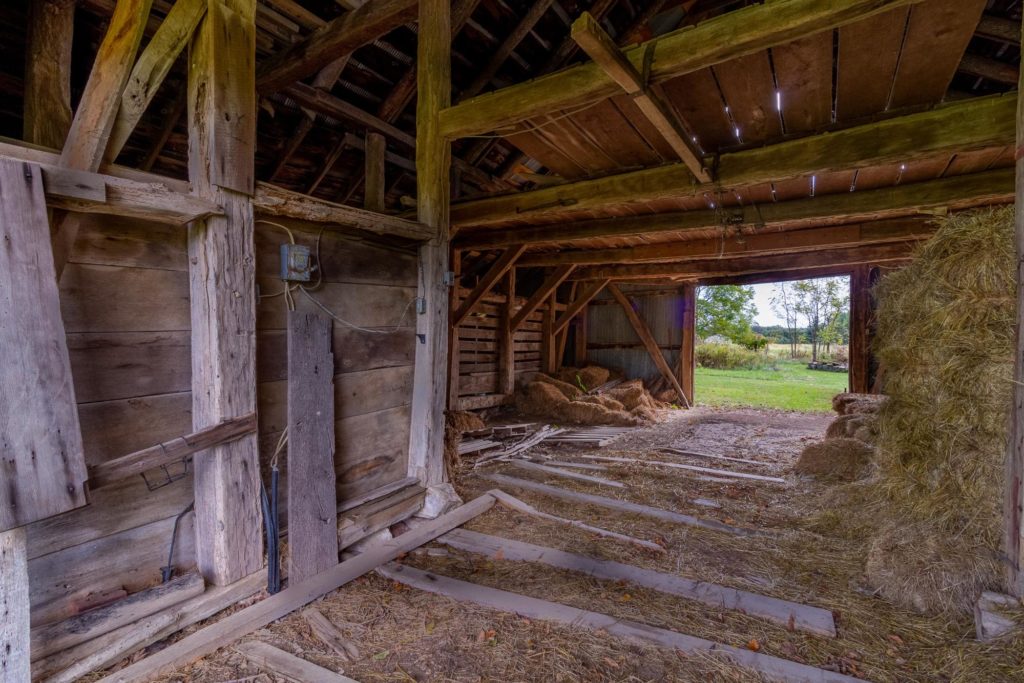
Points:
(42, 456)
(47, 119)
(269, 658)
(14, 606)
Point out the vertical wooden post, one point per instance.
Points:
(312, 491)
(48, 72)
(506, 337)
(580, 340)
(222, 287)
(688, 350)
(1013, 510)
(860, 318)
(374, 188)
(433, 194)
(549, 348)
(454, 358)
(14, 607)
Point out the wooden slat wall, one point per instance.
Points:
(124, 299)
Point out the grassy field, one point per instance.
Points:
(791, 387)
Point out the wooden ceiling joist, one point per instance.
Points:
(737, 242)
(338, 37)
(958, 127)
(989, 187)
(734, 34)
(735, 267)
(600, 47)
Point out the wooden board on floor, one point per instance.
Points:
(536, 467)
(312, 501)
(791, 615)
(774, 668)
(271, 659)
(689, 468)
(43, 460)
(620, 505)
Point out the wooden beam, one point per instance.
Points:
(840, 258)
(771, 668)
(600, 47)
(537, 10)
(742, 243)
(689, 468)
(14, 591)
(860, 313)
(989, 69)
(43, 460)
(649, 342)
(580, 302)
(980, 123)
(924, 198)
(170, 452)
(1013, 502)
(153, 65)
(312, 487)
(433, 194)
(497, 271)
(688, 330)
(338, 37)
(327, 104)
(506, 337)
(548, 336)
(271, 200)
(550, 284)
(997, 28)
(720, 39)
(51, 25)
(374, 171)
(222, 288)
(298, 595)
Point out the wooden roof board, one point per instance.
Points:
(531, 144)
(610, 130)
(697, 100)
(803, 72)
(938, 32)
(869, 52)
(643, 127)
(748, 86)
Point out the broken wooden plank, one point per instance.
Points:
(273, 660)
(312, 491)
(712, 456)
(993, 615)
(171, 452)
(246, 621)
(514, 503)
(620, 505)
(535, 467)
(379, 513)
(98, 653)
(14, 627)
(691, 468)
(773, 667)
(43, 462)
(576, 465)
(790, 615)
(330, 635)
(52, 638)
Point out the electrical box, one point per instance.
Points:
(296, 263)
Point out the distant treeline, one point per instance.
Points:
(780, 335)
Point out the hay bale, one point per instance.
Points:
(585, 378)
(849, 403)
(946, 338)
(606, 401)
(844, 459)
(583, 413)
(539, 398)
(464, 421)
(566, 389)
(850, 425)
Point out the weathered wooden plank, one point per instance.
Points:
(691, 468)
(773, 668)
(14, 605)
(112, 428)
(172, 452)
(537, 467)
(620, 505)
(329, 634)
(52, 638)
(790, 615)
(497, 271)
(295, 596)
(42, 456)
(269, 658)
(222, 292)
(47, 118)
(731, 35)
(312, 506)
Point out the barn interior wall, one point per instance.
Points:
(125, 303)
(612, 342)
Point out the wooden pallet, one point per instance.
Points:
(598, 437)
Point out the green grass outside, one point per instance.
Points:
(791, 387)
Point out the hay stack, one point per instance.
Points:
(945, 338)
(839, 458)
(586, 378)
(857, 404)
(627, 405)
(570, 391)
(457, 422)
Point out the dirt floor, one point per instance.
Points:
(407, 635)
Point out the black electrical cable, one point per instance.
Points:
(270, 524)
(166, 572)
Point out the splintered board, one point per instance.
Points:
(41, 456)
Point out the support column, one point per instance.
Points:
(222, 288)
(688, 350)
(454, 358)
(374, 188)
(433, 194)
(506, 337)
(548, 348)
(1013, 510)
(580, 340)
(860, 321)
